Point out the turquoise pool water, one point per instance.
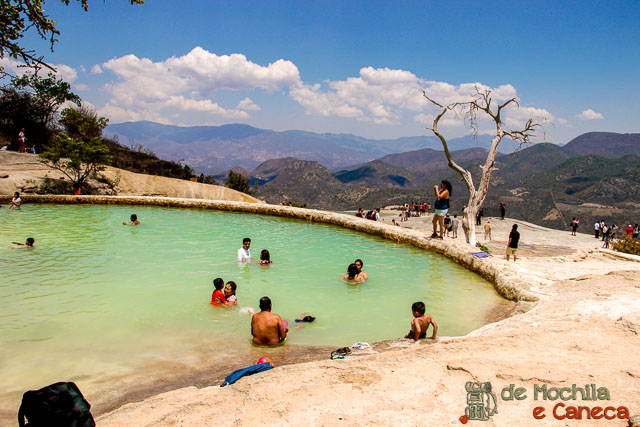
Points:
(95, 296)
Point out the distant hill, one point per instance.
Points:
(605, 144)
(544, 184)
(423, 162)
(300, 181)
(210, 149)
(377, 174)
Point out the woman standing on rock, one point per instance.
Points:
(443, 193)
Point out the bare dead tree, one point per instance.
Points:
(480, 103)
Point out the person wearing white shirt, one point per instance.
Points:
(16, 202)
(244, 255)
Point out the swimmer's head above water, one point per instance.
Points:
(265, 304)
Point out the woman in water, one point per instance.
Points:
(443, 193)
(230, 294)
(16, 202)
(352, 274)
(265, 257)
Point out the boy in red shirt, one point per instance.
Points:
(217, 298)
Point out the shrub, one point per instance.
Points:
(482, 247)
(627, 245)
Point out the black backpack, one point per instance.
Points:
(56, 405)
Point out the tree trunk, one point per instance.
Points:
(469, 224)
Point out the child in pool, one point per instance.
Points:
(230, 294)
(218, 298)
(265, 257)
(26, 245)
(420, 323)
(302, 321)
(134, 220)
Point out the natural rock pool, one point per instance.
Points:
(96, 298)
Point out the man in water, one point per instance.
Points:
(361, 273)
(267, 328)
(244, 255)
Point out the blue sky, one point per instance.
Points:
(352, 66)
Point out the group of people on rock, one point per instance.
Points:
(373, 214)
(607, 233)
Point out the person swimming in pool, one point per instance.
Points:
(26, 245)
(230, 294)
(134, 220)
(352, 275)
(217, 297)
(361, 273)
(267, 328)
(265, 257)
(302, 321)
(244, 253)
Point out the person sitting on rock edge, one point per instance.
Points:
(420, 323)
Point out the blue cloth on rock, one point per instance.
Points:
(480, 254)
(253, 369)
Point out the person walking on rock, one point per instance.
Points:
(512, 246)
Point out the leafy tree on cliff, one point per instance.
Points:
(239, 182)
(79, 152)
(17, 17)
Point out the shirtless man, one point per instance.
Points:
(266, 327)
(361, 274)
(420, 323)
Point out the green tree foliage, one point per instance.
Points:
(82, 123)
(17, 17)
(32, 102)
(80, 153)
(239, 182)
(19, 110)
(50, 92)
(627, 245)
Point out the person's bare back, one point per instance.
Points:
(419, 327)
(420, 323)
(267, 328)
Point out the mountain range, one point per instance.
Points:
(211, 149)
(594, 176)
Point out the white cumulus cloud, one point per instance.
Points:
(189, 83)
(248, 104)
(590, 115)
(385, 96)
(96, 69)
(65, 72)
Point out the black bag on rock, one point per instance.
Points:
(56, 405)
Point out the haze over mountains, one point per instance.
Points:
(211, 149)
(594, 176)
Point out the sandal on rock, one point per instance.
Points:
(340, 353)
